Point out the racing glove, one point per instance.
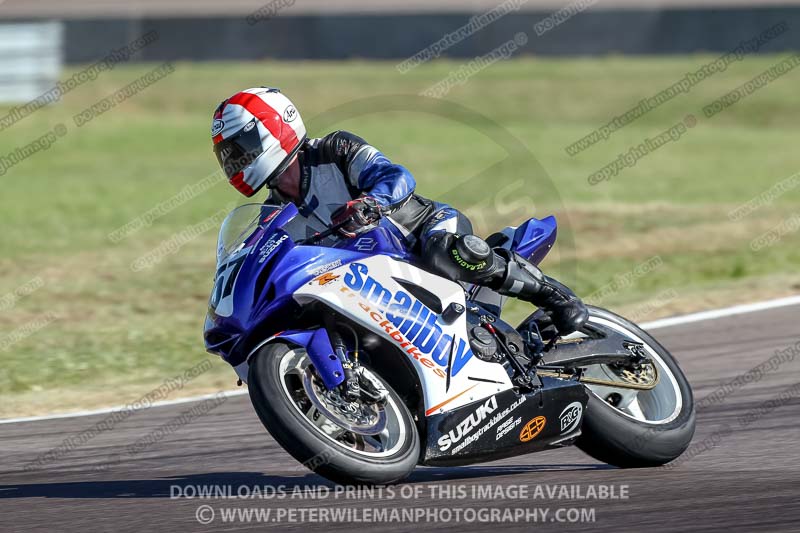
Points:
(357, 216)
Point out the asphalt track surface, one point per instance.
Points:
(749, 480)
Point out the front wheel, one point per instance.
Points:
(630, 428)
(346, 442)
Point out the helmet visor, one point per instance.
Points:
(236, 152)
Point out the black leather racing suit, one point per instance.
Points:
(341, 167)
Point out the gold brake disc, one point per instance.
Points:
(643, 378)
(646, 375)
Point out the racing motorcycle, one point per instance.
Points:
(362, 364)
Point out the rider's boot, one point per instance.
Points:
(469, 258)
(523, 280)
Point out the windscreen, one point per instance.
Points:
(240, 224)
(245, 219)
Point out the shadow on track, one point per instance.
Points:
(231, 481)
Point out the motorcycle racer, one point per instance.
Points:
(260, 140)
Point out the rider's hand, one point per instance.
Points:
(357, 216)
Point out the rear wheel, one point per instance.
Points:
(626, 427)
(346, 442)
(638, 428)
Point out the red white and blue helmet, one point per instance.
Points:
(256, 134)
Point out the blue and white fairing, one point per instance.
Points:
(263, 277)
(373, 292)
(532, 239)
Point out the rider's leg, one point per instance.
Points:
(527, 282)
(445, 219)
(466, 257)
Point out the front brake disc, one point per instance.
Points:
(352, 416)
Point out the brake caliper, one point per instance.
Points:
(640, 371)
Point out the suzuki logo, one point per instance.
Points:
(466, 426)
(365, 244)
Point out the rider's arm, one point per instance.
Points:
(369, 171)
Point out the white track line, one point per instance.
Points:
(656, 324)
(109, 410)
(722, 313)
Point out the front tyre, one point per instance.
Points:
(349, 443)
(633, 429)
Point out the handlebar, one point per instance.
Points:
(323, 234)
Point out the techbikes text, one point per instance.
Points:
(408, 322)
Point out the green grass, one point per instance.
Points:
(493, 147)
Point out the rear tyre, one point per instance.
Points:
(616, 437)
(278, 383)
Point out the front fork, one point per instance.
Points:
(351, 385)
(328, 362)
(359, 382)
